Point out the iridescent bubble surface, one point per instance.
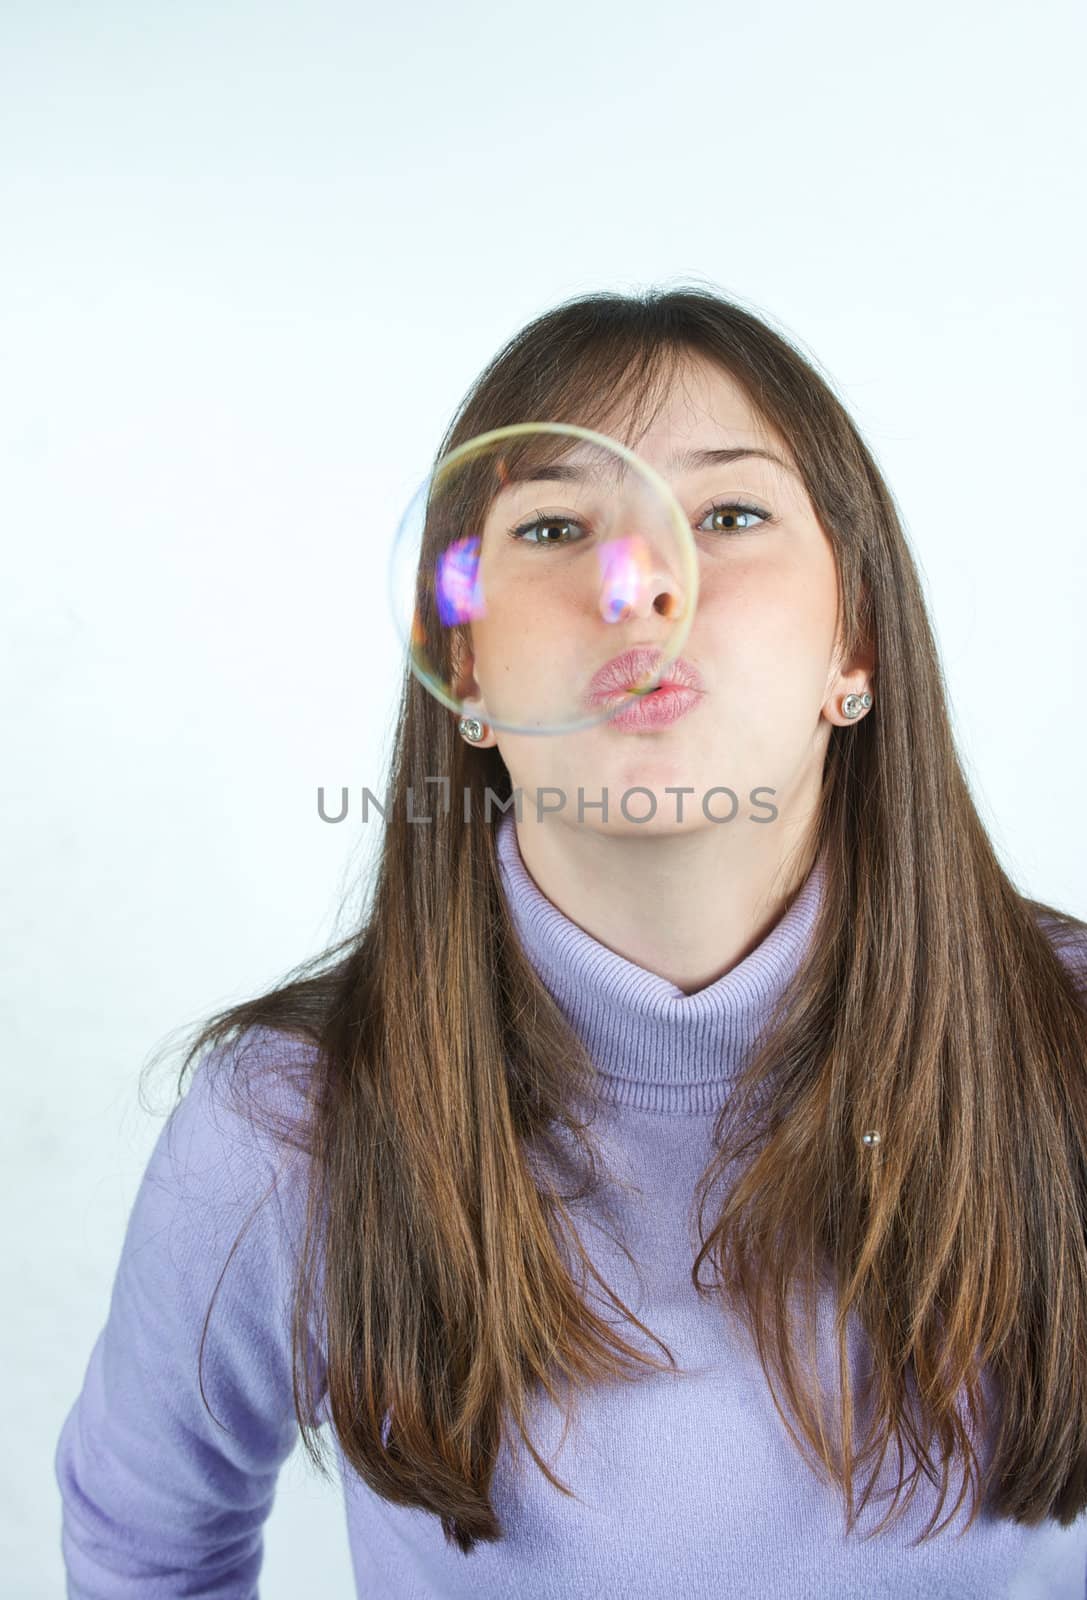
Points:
(531, 558)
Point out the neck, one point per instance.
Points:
(687, 906)
(655, 1046)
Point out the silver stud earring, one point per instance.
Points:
(854, 704)
(470, 728)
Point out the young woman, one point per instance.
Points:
(458, 1186)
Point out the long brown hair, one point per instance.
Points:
(937, 1003)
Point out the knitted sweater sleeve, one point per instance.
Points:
(162, 1496)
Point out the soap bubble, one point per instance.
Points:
(527, 561)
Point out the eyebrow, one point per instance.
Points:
(684, 461)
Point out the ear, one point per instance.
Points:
(856, 676)
(464, 686)
(462, 665)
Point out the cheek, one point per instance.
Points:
(513, 642)
(766, 638)
(766, 612)
(748, 618)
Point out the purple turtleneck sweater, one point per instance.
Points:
(685, 1486)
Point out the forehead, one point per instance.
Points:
(695, 418)
(699, 404)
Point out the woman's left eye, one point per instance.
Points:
(730, 511)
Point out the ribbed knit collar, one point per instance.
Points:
(654, 1047)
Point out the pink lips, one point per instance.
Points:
(681, 688)
(617, 675)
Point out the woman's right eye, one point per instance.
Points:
(549, 524)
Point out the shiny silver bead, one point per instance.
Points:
(470, 728)
(870, 1138)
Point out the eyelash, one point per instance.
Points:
(745, 507)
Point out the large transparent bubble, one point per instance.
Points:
(529, 560)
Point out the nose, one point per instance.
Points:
(637, 583)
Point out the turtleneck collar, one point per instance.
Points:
(654, 1047)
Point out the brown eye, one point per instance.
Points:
(734, 516)
(550, 530)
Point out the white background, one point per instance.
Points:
(252, 256)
